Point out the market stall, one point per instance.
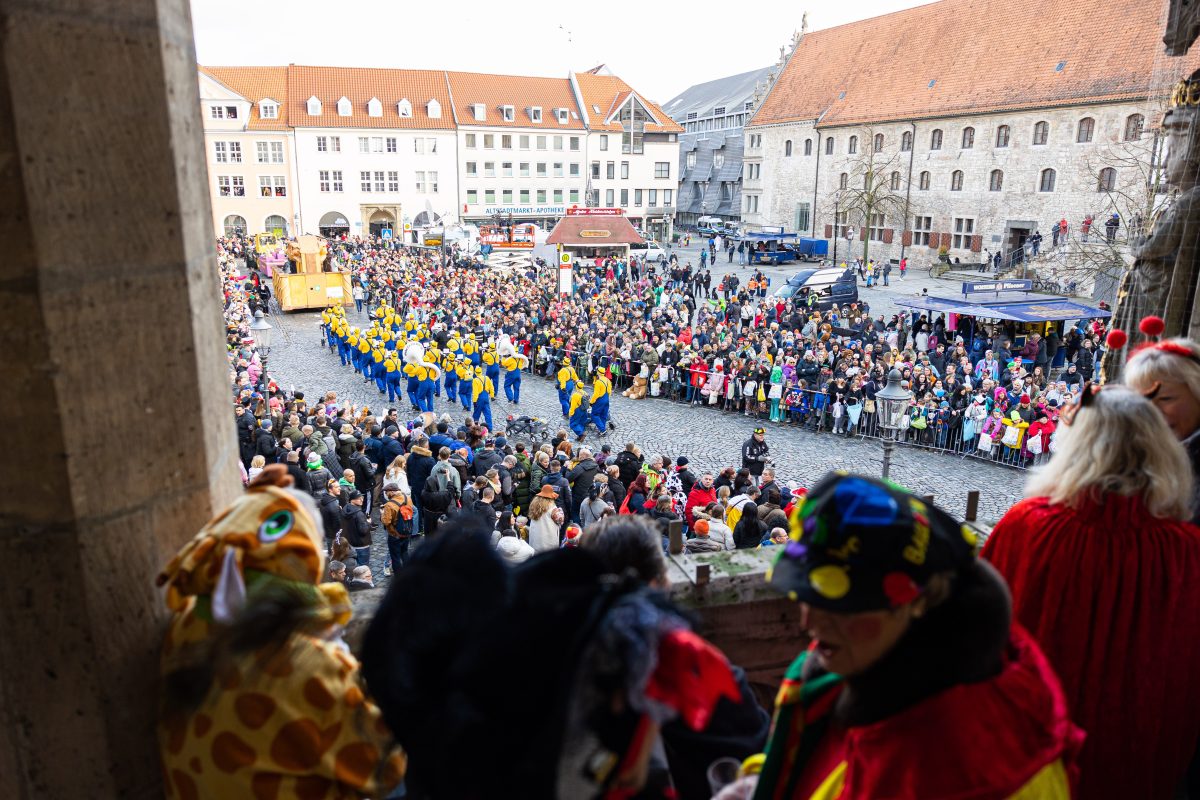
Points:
(590, 233)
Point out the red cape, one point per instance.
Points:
(981, 741)
(1112, 595)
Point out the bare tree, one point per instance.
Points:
(868, 189)
(1127, 177)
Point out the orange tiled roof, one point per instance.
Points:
(254, 84)
(359, 85)
(608, 93)
(519, 91)
(966, 56)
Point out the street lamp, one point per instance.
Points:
(261, 331)
(892, 404)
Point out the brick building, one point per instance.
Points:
(962, 124)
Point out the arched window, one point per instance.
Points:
(844, 181)
(968, 140)
(1041, 132)
(878, 142)
(808, 147)
(935, 139)
(996, 181)
(1108, 180)
(1002, 136)
(956, 180)
(853, 148)
(787, 147)
(276, 224)
(924, 184)
(895, 182)
(1087, 127)
(1133, 127)
(829, 146)
(906, 141)
(1047, 182)
(235, 225)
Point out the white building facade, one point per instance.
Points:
(375, 149)
(633, 151)
(350, 151)
(248, 149)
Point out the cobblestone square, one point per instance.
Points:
(709, 438)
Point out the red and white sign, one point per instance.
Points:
(595, 212)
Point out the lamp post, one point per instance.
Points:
(892, 404)
(261, 330)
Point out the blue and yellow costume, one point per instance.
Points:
(491, 365)
(378, 368)
(471, 350)
(482, 392)
(393, 366)
(578, 413)
(364, 355)
(427, 374)
(464, 373)
(567, 378)
(448, 369)
(601, 391)
(512, 379)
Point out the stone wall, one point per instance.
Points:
(787, 181)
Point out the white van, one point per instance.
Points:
(648, 250)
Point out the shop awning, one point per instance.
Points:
(1048, 309)
(593, 231)
(1031, 308)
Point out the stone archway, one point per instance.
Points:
(382, 223)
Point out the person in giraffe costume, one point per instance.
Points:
(261, 699)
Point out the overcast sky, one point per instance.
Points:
(659, 48)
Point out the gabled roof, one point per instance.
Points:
(520, 92)
(594, 231)
(609, 93)
(254, 84)
(732, 92)
(359, 85)
(954, 57)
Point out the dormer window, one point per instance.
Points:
(535, 114)
(344, 107)
(433, 109)
(223, 112)
(404, 108)
(508, 113)
(561, 113)
(268, 109)
(314, 107)
(480, 111)
(374, 107)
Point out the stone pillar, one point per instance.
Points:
(119, 442)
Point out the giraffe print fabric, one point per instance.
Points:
(288, 719)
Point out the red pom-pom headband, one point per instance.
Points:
(1174, 348)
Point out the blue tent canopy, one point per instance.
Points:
(1023, 308)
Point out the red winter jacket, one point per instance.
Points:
(701, 497)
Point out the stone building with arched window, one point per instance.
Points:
(1012, 139)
